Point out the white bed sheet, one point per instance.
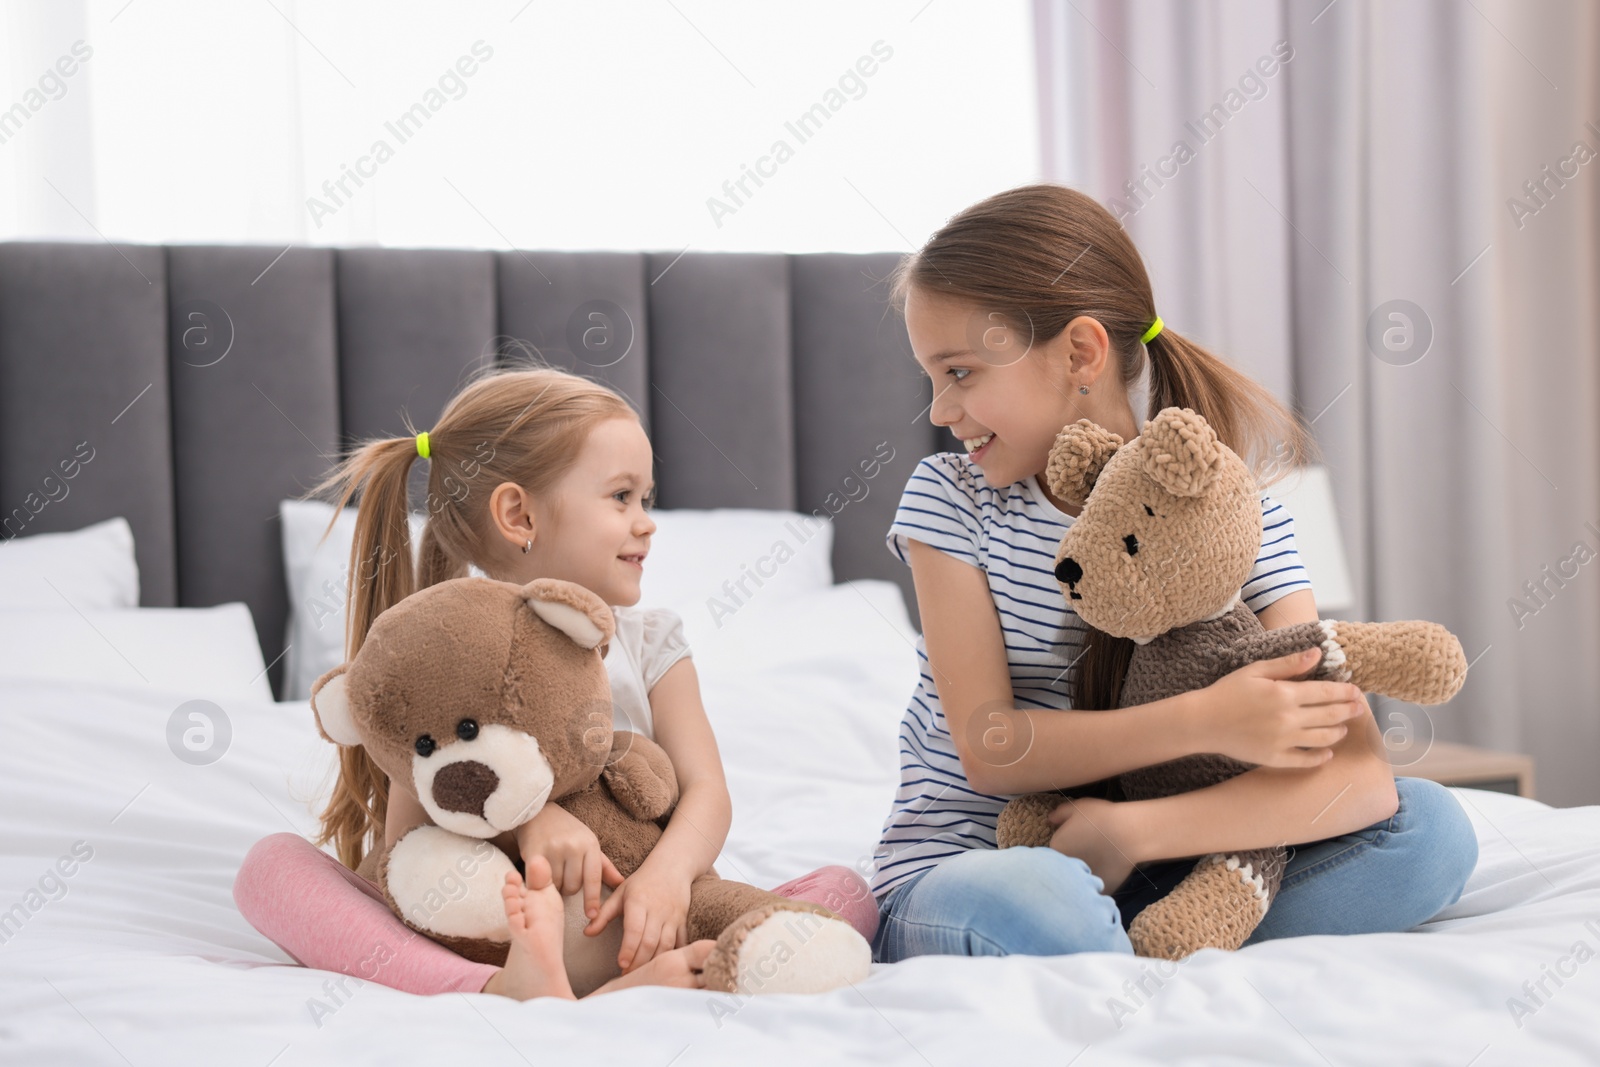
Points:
(145, 959)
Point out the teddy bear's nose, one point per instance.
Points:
(1068, 571)
(464, 786)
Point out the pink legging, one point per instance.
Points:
(326, 916)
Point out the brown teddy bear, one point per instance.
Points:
(489, 700)
(1168, 533)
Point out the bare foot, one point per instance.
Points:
(534, 966)
(682, 967)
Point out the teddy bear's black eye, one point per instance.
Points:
(1132, 543)
(1147, 510)
(425, 746)
(467, 729)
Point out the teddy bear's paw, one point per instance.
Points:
(1026, 821)
(1412, 660)
(1218, 905)
(449, 885)
(782, 950)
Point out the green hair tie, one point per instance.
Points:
(1150, 334)
(422, 444)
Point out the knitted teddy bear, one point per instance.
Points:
(1168, 533)
(489, 700)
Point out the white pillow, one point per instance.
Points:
(202, 652)
(805, 695)
(317, 577)
(864, 619)
(709, 564)
(713, 563)
(91, 568)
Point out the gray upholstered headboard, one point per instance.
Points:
(214, 381)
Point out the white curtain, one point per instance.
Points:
(1351, 222)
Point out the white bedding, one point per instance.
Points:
(145, 960)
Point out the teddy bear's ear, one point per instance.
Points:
(1182, 453)
(330, 703)
(1079, 455)
(572, 609)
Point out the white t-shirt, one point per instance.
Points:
(648, 641)
(1010, 533)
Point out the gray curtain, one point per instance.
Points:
(1364, 220)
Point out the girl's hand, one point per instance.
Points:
(1093, 831)
(654, 903)
(1257, 715)
(576, 862)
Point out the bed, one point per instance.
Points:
(123, 817)
(142, 957)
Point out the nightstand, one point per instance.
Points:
(1478, 768)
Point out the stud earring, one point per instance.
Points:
(527, 547)
(1083, 388)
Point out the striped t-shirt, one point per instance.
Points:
(1011, 534)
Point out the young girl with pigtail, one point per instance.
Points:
(1031, 310)
(533, 473)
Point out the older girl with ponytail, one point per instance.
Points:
(532, 473)
(1031, 310)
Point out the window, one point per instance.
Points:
(655, 124)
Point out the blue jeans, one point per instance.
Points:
(1390, 876)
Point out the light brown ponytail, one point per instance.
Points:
(516, 425)
(1040, 256)
(1245, 414)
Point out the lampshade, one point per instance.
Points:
(1307, 495)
